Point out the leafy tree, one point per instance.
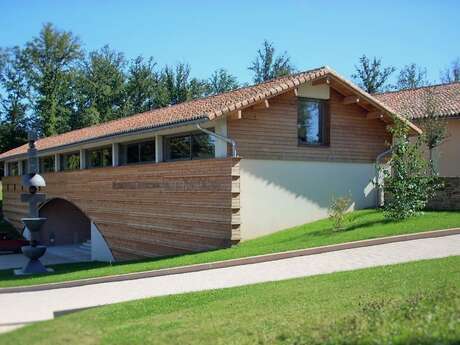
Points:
(102, 85)
(14, 104)
(452, 73)
(434, 127)
(221, 81)
(371, 76)
(51, 56)
(177, 87)
(411, 76)
(267, 65)
(409, 182)
(142, 87)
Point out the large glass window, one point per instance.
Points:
(101, 157)
(70, 161)
(189, 146)
(312, 122)
(13, 168)
(140, 152)
(25, 166)
(46, 164)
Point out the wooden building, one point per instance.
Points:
(207, 173)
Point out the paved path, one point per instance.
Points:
(25, 307)
(53, 255)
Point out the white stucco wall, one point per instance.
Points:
(449, 150)
(100, 251)
(276, 195)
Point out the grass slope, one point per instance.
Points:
(413, 303)
(364, 224)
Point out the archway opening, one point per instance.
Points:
(66, 224)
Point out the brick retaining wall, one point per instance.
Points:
(449, 197)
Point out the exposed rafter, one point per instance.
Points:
(351, 100)
(374, 115)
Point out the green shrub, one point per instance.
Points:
(337, 209)
(409, 181)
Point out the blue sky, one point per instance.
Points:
(214, 34)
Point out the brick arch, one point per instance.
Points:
(66, 222)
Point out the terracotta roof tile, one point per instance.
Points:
(207, 108)
(412, 103)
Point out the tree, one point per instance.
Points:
(221, 81)
(371, 75)
(102, 85)
(177, 87)
(409, 182)
(411, 76)
(51, 56)
(434, 127)
(267, 65)
(142, 87)
(14, 104)
(452, 73)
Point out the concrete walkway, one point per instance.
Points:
(26, 307)
(54, 255)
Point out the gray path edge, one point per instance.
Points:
(232, 262)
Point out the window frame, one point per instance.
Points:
(185, 134)
(40, 164)
(100, 149)
(324, 122)
(138, 144)
(62, 158)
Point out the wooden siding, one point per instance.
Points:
(149, 210)
(271, 133)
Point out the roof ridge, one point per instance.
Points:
(416, 88)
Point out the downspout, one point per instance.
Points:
(221, 137)
(380, 192)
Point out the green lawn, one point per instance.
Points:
(413, 303)
(364, 224)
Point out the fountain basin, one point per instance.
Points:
(33, 253)
(33, 224)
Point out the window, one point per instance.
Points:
(70, 161)
(313, 122)
(46, 164)
(25, 166)
(101, 157)
(140, 152)
(13, 168)
(189, 146)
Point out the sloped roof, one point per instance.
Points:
(207, 108)
(412, 103)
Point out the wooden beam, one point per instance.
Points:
(351, 100)
(296, 92)
(239, 115)
(374, 115)
(262, 105)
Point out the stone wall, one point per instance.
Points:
(449, 197)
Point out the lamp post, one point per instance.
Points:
(33, 181)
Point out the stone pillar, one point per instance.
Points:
(115, 154)
(159, 148)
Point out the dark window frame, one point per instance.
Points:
(62, 159)
(325, 117)
(185, 134)
(101, 150)
(138, 144)
(10, 164)
(41, 165)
